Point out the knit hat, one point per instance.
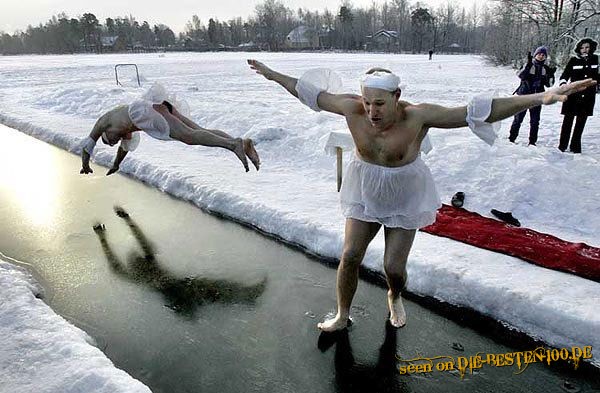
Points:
(541, 49)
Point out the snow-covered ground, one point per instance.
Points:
(41, 352)
(58, 99)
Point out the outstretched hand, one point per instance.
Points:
(561, 93)
(260, 68)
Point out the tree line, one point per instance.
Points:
(503, 29)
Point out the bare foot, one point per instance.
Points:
(162, 109)
(251, 153)
(334, 324)
(397, 313)
(239, 152)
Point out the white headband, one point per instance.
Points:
(381, 80)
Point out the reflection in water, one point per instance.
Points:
(352, 376)
(34, 183)
(184, 295)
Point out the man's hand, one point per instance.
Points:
(261, 69)
(85, 170)
(112, 170)
(561, 93)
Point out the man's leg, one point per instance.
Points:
(577, 132)
(248, 143)
(565, 132)
(516, 124)
(191, 136)
(534, 123)
(398, 242)
(358, 235)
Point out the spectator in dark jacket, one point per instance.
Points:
(535, 76)
(583, 65)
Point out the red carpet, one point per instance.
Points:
(535, 247)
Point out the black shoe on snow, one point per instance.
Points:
(507, 217)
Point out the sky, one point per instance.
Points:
(17, 15)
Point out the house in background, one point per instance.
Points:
(384, 40)
(454, 48)
(112, 44)
(302, 37)
(248, 47)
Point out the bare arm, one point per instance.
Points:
(442, 117)
(286, 81)
(120, 157)
(97, 131)
(509, 106)
(341, 104)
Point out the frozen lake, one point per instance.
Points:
(218, 307)
(58, 98)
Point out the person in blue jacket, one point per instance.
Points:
(535, 76)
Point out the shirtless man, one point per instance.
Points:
(160, 121)
(387, 184)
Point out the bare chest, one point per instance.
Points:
(395, 146)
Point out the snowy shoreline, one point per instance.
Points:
(46, 353)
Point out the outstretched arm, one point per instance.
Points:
(111, 257)
(137, 232)
(120, 157)
(341, 104)
(86, 152)
(442, 117)
(286, 81)
(509, 106)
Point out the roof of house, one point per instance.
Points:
(298, 35)
(384, 33)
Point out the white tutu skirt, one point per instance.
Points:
(148, 120)
(396, 197)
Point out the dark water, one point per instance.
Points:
(187, 302)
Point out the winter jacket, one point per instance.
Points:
(579, 68)
(535, 76)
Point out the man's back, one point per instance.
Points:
(116, 123)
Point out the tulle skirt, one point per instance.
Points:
(149, 120)
(396, 197)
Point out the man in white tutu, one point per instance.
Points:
(161, 121)
(387, 184)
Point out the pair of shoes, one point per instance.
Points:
(458, 199)
(507, 217)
